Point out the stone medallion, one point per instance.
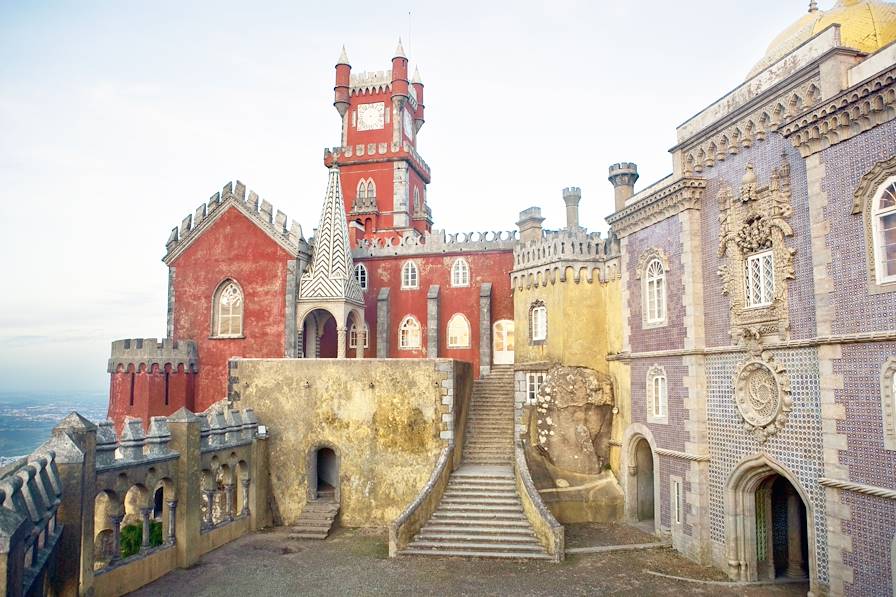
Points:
(762, 395)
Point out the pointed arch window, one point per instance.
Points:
(884, 223)
(458, 331)
(410, 278)
(356, 335)
(409, 333)
(227, 311)
(416, 199)
(361, 275)
(371, 189)
(655, 293)
(362, 190)
(460, 273)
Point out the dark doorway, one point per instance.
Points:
(782, 546)
(327, 477)
(644, 460)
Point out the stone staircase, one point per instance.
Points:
(480, 514)
(316, 519)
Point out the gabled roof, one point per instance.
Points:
(331, 275)
(258, 211)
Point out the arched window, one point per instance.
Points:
(355, 335)
(409, 275)
(458, 331)
(227, 311)
(409, 333)
(888, 402)
(655, 292)
(657, 395)
(884, 223)
(460, 272)
(416, 199)
(371, 189)
(361, 275)
(538, 322)
(362, 190)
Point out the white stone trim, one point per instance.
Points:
(888, 402)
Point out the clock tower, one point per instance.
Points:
(383, 177)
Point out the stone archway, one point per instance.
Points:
(639, 471)
(763, 500)
(323, 466)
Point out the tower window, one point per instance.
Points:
(460, 273)
(409, 333)
(884, 223)
(458, 331)
(760, 279)
(361, 276)
(655, 292)
(410, 278)
(538, 322)
(657, 395)
(227, 311)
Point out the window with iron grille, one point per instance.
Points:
(760, 279)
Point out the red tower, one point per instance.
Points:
(383, 177)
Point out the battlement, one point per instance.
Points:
(565, 245)
(339, 154)
(379, 81)
(254, 207)
(572, 193)
(438, 241)
(147, 352)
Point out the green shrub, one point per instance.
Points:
(132, 537)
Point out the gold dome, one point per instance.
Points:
(865, 25)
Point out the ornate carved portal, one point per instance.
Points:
(762, 391)
(754, 223)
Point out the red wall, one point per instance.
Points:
(149, 393)
(234, 247)
(491, 267)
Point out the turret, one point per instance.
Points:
(343, 80)
(417, 82)
(399, 73)
(572, 196)
(623, 176)
(530, 224)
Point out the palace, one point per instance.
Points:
(719, 368)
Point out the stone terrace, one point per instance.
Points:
(356, 562)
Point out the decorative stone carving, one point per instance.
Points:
(574, 416)
(756, 220)
(861, 204)
(762, 391)
(648, 256)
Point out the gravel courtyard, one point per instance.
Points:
(356, 562)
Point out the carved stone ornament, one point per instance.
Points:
(756, 220)
(762, 395)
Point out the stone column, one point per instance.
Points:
(116, 537)
(794, 535)
(145, 512)
(186, 441)
(432, 322)
(210, 501)
(340, 343)
(485, 328)
(171, 539)
(383, 324)
(244, 487)
(228, 500)
(359, 348)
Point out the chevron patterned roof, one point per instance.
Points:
(332, 272)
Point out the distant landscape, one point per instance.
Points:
(26, 419)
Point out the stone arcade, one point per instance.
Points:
(719, 368)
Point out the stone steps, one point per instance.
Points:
(316, 520)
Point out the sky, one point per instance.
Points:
(119, 118)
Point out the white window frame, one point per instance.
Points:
(655, 293)
(877, 216)
(888, 402)
(410, 276)
(534, 381)
(676, 497)
(454, 340)
(405, 337)
(353, 336)
(657, 393)
(228, 286)
(538, 323)
(361, 275)
(759, 271)
(460, 273)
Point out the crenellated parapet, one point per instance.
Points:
(547, 260)
(275, 224)
(388, 151)
(434, 243)
(144, 353)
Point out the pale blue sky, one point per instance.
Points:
(119, 118)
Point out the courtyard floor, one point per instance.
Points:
(356, 562)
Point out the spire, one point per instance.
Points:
(416, 78)
(399, 51)
(343, 57)
(332, 272)
(813, 6)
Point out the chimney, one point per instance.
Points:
(572, 196)
(530, 224)
(623, 176)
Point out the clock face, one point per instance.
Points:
(408, 124)
(371, 117)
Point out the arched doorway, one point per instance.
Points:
(319, 340)
(769, 523)
(323, 474)
(645, 482)
(503, 342)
